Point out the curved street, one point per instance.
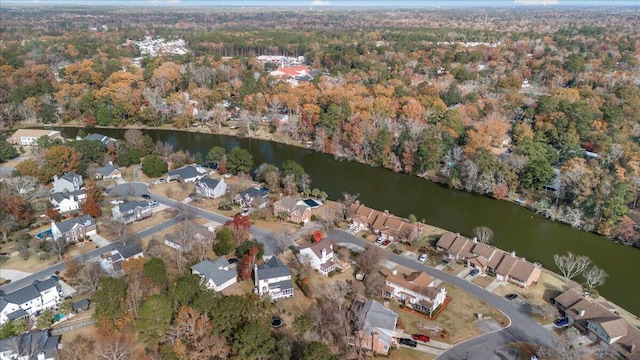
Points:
(522, 328)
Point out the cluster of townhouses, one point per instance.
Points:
(387, 226)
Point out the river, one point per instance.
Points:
(516, 228)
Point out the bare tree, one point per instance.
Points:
(7, 223)
(544, 311)
(115, 348)
(79, 348)
(370, 258)
(605, 351)
(305, 182)
(346, 201)
(183, 238)
(58, 246)
(595, 277)
(185, 212)
(121, 231)
(27, 187)
(571, 265)
(282, 239)
(373, 283)
(574, 217)
(569, 346)
(484, 234)
(89, 277)
(408, 233)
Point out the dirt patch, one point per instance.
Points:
(156, 219)
(33, 264)
(483, 281)
(173, 190)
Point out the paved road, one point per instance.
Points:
(522, 327)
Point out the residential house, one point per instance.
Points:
(273, 279)
(386, 225)
(186, 174)
(108, 172)
(131, 211)
(253, 197)
(217, 275)
(601, 322)
(319, 255)
(111, 262)
(22, 303)
(506, 266)
(296, 210)
(67, 182)
(102, 138)
(75, 228)
(211, 188)
(378, 327)
(67, 201)
(199, 235)
(29, 137)
(415, 290)
(37, 345)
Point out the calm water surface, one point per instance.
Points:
(516, 228)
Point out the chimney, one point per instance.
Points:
(632, 347)
(513, 254)
(581, 313)
(110, 162)
(394, 271)
(55, 178)
(255, 269)
(475, 239)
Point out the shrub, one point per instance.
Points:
(314, 217)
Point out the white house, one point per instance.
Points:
(211, 188)
(319, 255)
(217, 275)
(40, 295)
(72, 229)
(111, 262)
(273, 279)
(67, 201)
(67, 182)
(36, 345)
(414, 290)
(253, 197)
(186, 174)
(131, 211)
(30, 136)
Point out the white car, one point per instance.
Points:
(422, 258)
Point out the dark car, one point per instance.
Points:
(408, 342)
(145, 196)
(421, 337)
(232, 261)
(511, 296)
(561, 322)
(474, 272)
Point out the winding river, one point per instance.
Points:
(516, 228)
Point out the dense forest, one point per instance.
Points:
(495, 102)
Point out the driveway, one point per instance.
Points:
(521, 328)
(13, 275)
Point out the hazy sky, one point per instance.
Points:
(320, 3)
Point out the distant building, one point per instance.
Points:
(67, 182)
(131, 211)
(186, 174)
(111, 262)
(29, 137)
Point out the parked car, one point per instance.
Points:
(561, 322)
(408, 342)
(422, 258)
(232, 261)
(511, 296)
(145, 196)
(421, 337)
(379, 240)
(162, 181)
(386, 243)
(154, 203)
(474, 272)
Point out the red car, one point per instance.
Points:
(420, 337)
(386, 243)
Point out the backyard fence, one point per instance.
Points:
(72, 327)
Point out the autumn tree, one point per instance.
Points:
(61, 159)
(246, 266)
(89, 207)
(239, 227)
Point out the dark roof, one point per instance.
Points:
(66, 195)
(98, 137)
(129, 250)
(82, 304)
(28, 293)
(32, 342)
(255, 193)
(131, 205)
(18, 314)
(282, 285)
(67, 225)
(70, 176)
(211, 183)
(273, 268)
(187, 172)
(106, 170)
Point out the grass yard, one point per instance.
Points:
(156, 219)
(173, 190)
(458, 319)
(549, 286)
(33, 264)
(410, 354)
(483, 281)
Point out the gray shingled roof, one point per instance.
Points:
(211, 183)
(379, 319)
(18, 314)
(70, 176)
(273, 268)
(211, 270)
(80, 304)
(98, 137)
(26, 294)
(254, 193)
(32, 342)
(106, 170)
(67, 225)
(130, 205)
(66, 195)
(187, 172)
(129, 250)
(282, 285)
